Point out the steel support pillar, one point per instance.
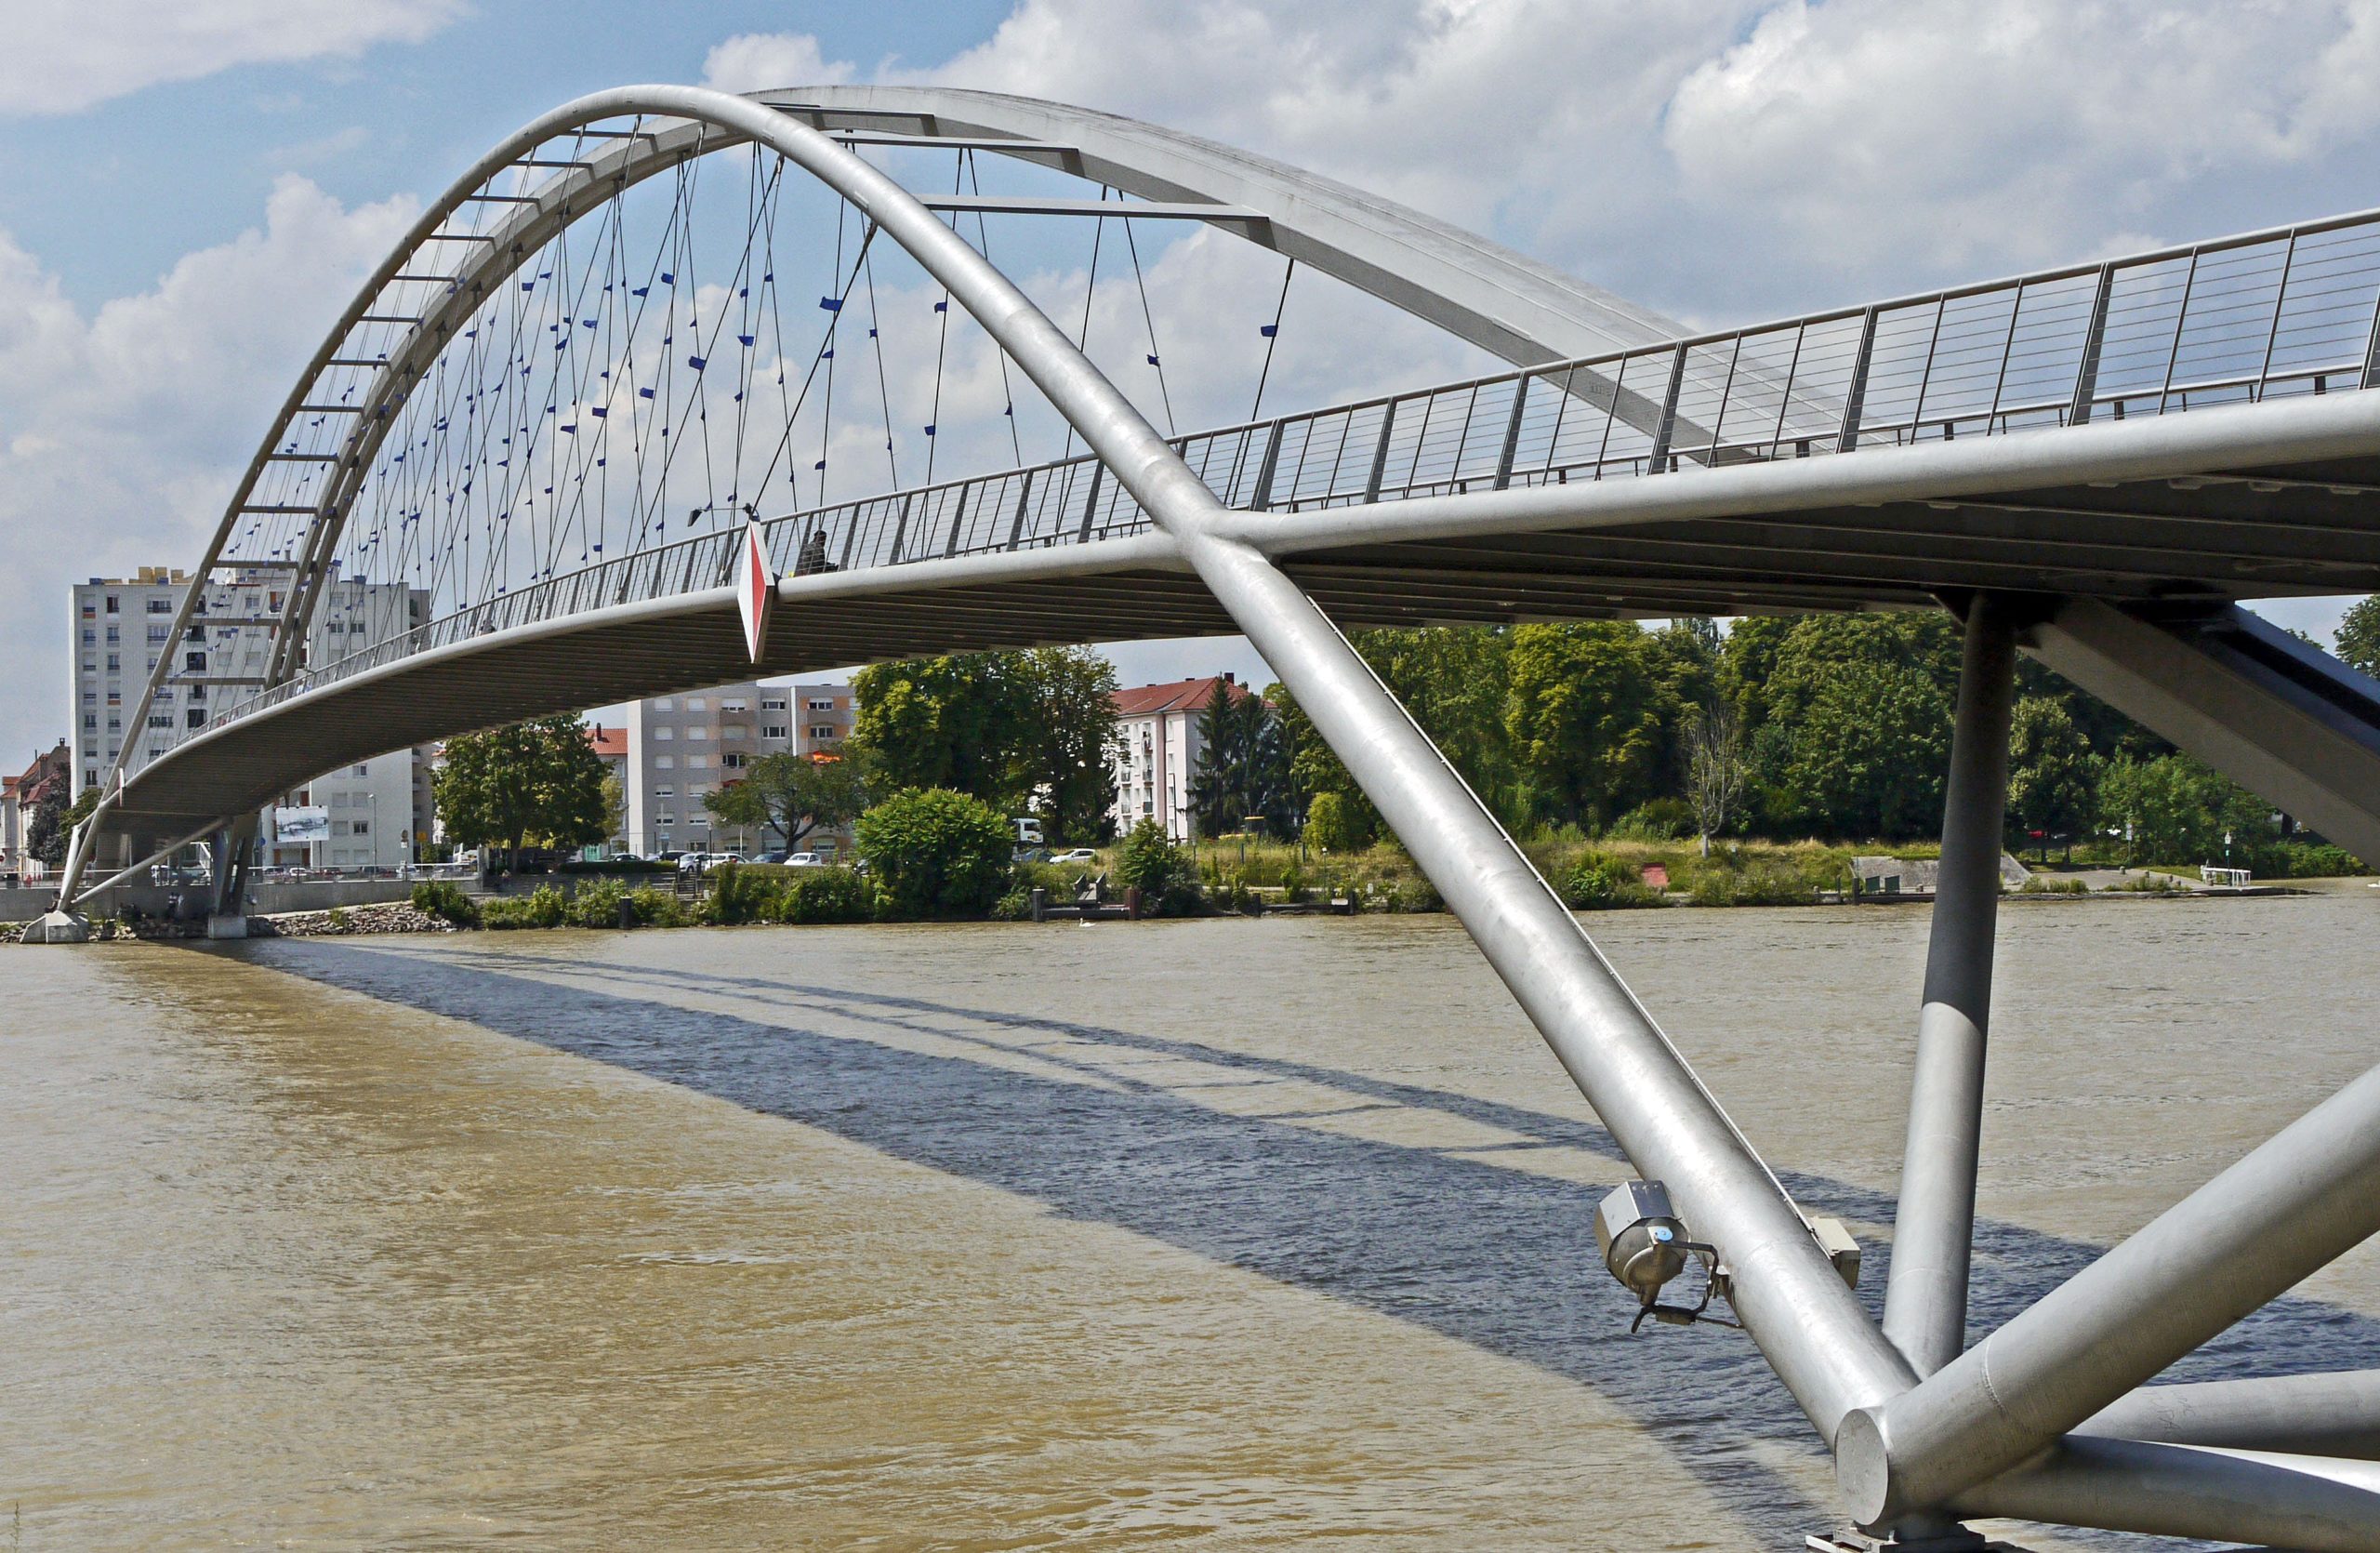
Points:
(2312, 1504)
(2307, 1194)
(1808, 1323)
(1926, 1295)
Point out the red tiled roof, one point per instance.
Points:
(1148, 700)
(610, 743)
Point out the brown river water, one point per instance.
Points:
(1228, 1234)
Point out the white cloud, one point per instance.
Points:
(64, 57)
(126, 430)
(755, 61)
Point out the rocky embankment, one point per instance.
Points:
(390, 917)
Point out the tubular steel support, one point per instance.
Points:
(1810, 1326)
(2308, 1503)
(1926, 1295)
(2309, 1193)
(2336, 1414)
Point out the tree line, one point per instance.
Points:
(1828, 725)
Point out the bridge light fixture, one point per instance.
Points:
(1644, 1245)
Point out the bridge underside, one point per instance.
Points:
(2174, 545)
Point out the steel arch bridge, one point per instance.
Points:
(2092, 463)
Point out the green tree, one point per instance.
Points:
(1149, 862)
(2053, 780)
(1584, 719)
(1335, 825)
(1243, 765)
(1065, 744)
(793, 795)
(953, 721)
(1028, 729)
(536, 781)
(1314, 767)
(2360, 636)
(47, 829)
(615, 808)
(2178, 811)
(933, 852)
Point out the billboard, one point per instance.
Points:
(305, 823)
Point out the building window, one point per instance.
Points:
(362, 826)
(698, 762)
(696, 731)
(662, 704)
(91, 722)
(822, 705)
(90, 637)
(115, 725)
(114, 636)
(775, 730)
(734, 759)
(663, 736)
(196, 717)
(116, 663)
(156, 720)
(161, 606)
(195, 662)
(664, 763)
(738, 704)
(695, 703)
(665, 790)
(823, 730)
(364, 769)
(158, 634)
(734, 730)
(667, 820)
(772, 703)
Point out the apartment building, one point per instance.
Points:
(121, 628)
(1160, 751)
(20, 795)
(680, 748)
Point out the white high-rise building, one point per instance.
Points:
(123, 626)
(683, 748)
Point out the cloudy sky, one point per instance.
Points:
(189, 191)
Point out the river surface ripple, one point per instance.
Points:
(1231, 1233)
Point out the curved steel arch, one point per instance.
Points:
(710, 120)
(1502, 301)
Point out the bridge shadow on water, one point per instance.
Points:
(1499, 1258)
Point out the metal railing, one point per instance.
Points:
(2289, 311)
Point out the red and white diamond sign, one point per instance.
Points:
(756, 589)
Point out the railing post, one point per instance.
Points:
(2086, 371)
(1263, 501)
(958, 521)
(1388, 425)
(851, 534)
(1512, 433)
(2371, 348)
(1091, 503)
(1024, 500)
(900, 530)
(2279, 300)
(1854, 400)
(2181, 317)
(1666, 427)
(1925, 374)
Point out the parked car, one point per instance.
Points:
(772, 857)
(805, 860)
(1077, 854)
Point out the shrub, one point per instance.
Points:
(543, 907)
(2305, 860)
(338, 918)
(1163, 873)
(825, 896)
(1596, 883)
(1760, 882)
(596, 904)
(739, 894)
(1332, 824)
(444, 899)
(657, 908)
(1664, 819)
(935, 853)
